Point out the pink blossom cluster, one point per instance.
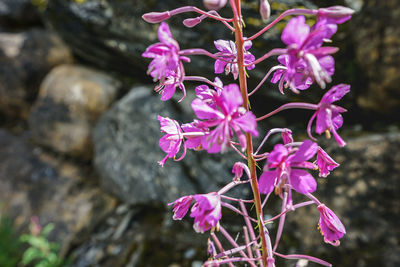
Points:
(223, 120)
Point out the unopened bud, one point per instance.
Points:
(156, 17)
(192, 22)
(338, 14)
(265, 10)
(214, 4)
(287, 136)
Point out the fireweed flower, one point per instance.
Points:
(171, 142)
(181, 206)
(285, 165)
(228, 52)
(325, 163)
(208, 95)
(167, 86)
(166, 65)
(306, 60)
(328, 115)
(331, 227)
(228, 116)
(206, 212)
(294, 80)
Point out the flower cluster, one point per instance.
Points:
(166, 65)
(223, 120)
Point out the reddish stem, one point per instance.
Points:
(237, 22)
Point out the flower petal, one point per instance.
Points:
(267, 181)
(302, 181)
(306, 151)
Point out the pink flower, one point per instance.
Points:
(325, 163)
(285, 165)
(166, 65)
(328, 115)
(229, 54)
(167, 86)
(295, 80)
(227, 116)
(306, 60)
(181, 207)
(209, 95)
(206, 212)
(331, 227)
(171, 142)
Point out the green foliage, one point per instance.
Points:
(9, 244)
(41, 252)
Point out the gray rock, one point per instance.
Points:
(126, 153)
(25, 58)
(34, 183)
(71, 98)
(377, 50)
(18, 12)
(150, 239)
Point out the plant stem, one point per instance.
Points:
(237, 21)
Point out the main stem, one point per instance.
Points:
(249, 147)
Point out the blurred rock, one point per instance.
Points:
(18, 13)
(25, 58)
(377, 46)
(364, 193)
(141, 236)
(71, 98)
(127, 151)
(33, 183)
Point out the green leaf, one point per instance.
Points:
(47, 229)
(30, 254)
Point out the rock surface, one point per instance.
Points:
(71, 99)
(126, 153)
(137, 236)
(34, 183)
(25, 58)
(377, 49)
(363, 192)
(18, 13)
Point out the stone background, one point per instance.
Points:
(79, 133)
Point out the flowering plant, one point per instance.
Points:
(224, 121)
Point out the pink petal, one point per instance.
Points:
(306, 151)
(267, 181)
(302, 181)
(296, 31)
(247, 123)
(204, 111)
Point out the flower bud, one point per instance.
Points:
(191, 22)
(336, 14)
(214, 4)
(156, 17)
(265, 9)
